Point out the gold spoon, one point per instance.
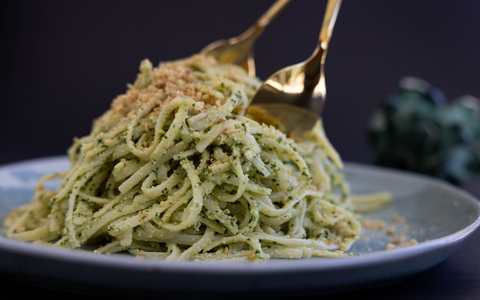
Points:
(295, 95)
(239, 50)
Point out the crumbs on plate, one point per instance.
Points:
(396, 229)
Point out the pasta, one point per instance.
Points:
(174, 170)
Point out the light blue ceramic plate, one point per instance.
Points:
(437, 215)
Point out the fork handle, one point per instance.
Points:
(328, 22)
(251, 35)
(269, 15)
(315, 62)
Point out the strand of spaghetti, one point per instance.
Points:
(321, 210)
(166, 111)
(140, 218)
(254, 214)
(288, 253)
(211, 224)
(258, 163)
(171, 134)
(220, 168)
(116, 131)
(320, 176)
(73, 150)
(185, 154)
(20, 221)
(296, 225)
(370, 201)
(246, 213)
(251, 148)
(162, 172)
(319, 135)
(149, 254)
(110, 247)
(69, 227)
(325, 253)
(39, 233)
(56, 216)
(134, 122)
(180, 198)
(92, 199)
(198, 246)
(109, 217)
(314, 194)
(208, 138)
(126, 238)
(251, 186)
(164, 187)
(148, 167)
(174, 251)
(126, 168)
(121, 150)
(181, 239)
(268, 209)
(281, 172)
(267, 229)
(296, 158)
(239, 256)
(78, 171)
(280, 219)
(116, 246)
(219, 154)
(93, 185)
(128, 197)
(100, 147)
(195, 206)
(150, 229)
(203, 120)
(314, 244)
(253, 242)
(204, 160)
(238, 171)
(214, 212)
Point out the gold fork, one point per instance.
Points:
(239, 50)
(295, 95)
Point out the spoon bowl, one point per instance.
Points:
(295, 120)
(295, 95)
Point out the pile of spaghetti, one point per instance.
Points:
(176, 171)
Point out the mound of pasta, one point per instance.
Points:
(175, 170)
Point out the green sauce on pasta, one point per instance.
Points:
(175, 171)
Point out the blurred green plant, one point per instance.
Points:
(416, 129)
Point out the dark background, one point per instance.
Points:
(63, 62)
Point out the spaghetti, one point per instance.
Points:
(174, 170)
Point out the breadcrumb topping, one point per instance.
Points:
(168, 81)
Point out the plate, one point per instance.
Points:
(436, 214)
